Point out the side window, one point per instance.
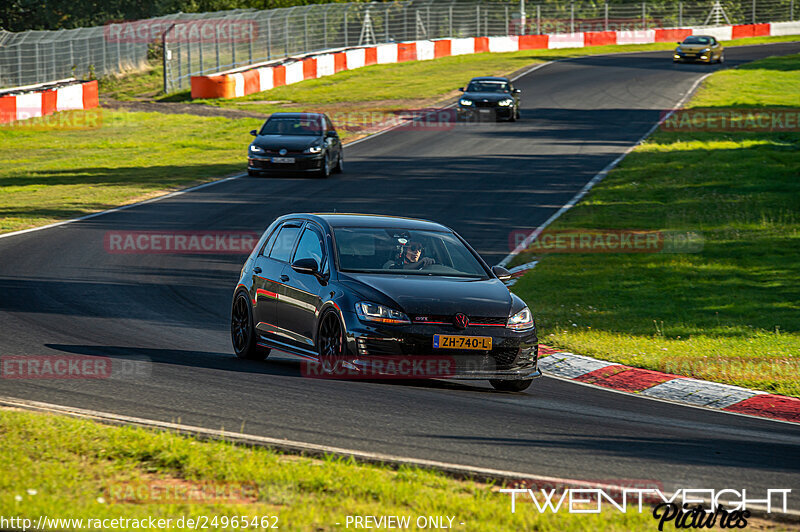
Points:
(329, 124)
(268, 244)
(284, 242)
(310, 246)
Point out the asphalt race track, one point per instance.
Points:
(62, 293)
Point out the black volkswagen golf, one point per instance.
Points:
(296, 142)
(377, 294)
(489, 97)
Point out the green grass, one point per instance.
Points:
(68, 468)
(52, 175)
(730, 313)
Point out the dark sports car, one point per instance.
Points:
(373, 294)
(489, 97)
(295, 142)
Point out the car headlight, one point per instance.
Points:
(506, 102)
(705, 50)
(678, 49)
(367, 311)
(256, 149)
(313, 149)
(465, 103)
(521, 321)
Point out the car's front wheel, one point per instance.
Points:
(243, 334)
(330, 343)
(325, 167)
(339, 168)
(510, 386)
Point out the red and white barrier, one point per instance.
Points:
(235, 84)
(48, 100)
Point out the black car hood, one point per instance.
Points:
(290, 142)
(434, 295)
(489, 96)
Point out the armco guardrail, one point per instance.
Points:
(234, 84)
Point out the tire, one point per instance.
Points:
(325, 170)
(330, 343)
(339, 168)
(243, 334)
(510, 386)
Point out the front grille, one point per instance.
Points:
(485, 104)
(476, 321)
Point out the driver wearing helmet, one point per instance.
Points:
(410, 258)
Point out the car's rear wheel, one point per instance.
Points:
(243, 335)
(339, 168)
(330, 343)
(510, 386)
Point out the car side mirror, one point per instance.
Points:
(517, 91)
(501, 273)
(308, 266)
(331, 134)
(254, 133)
(678, 42)
(461, 89)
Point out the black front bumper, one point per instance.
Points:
(302, 163)
(374, 347)
(495, 112)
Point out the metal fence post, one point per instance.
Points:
(644, 15)
(325, 28)
(507, 32)
(572, 17)
(538, 20)
(286, 37)
(305, 30)
(754, 11)
(269, 38)
(216, 46)
(680, 13)
(233, 53)
(386, 24)
(450, 19)
(345, 25)
(605, 16)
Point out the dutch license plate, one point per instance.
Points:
(283, 160)
(485, 111)
(446, 341)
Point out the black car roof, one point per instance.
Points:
(488, 78)
(296, 115)
(333, 220)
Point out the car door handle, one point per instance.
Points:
(284, 278)
(256, 270)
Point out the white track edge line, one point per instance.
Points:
(123, 207)
(599, 176)
(458, 470)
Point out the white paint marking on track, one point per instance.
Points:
(702, 393)
(123, 207)
(570, 365)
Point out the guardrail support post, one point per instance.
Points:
(605, 16)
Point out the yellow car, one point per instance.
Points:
(699, 48)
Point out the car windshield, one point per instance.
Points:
(292, 126)
(696, 40)
(487, 86)
(404, 252)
